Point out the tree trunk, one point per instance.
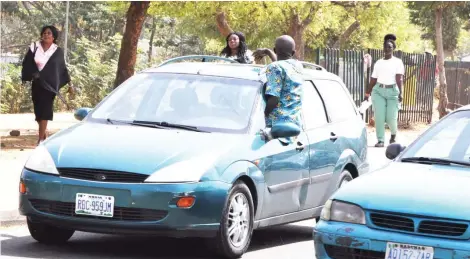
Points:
(152, 35)
(297, 27)
(442, 107)
(296, 31)
(346, 34)
(128, 54)
(222, 24)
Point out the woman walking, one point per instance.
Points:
(236, 49)
(44, 65)
(386, 89)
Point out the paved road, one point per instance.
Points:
(289, 241)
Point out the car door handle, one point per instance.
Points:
(333, 137)
(299, 146)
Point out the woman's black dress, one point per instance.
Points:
(51, 79)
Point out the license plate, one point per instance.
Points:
(404, 251)
(94, 205)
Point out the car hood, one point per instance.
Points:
(428, 190)
(135, 149)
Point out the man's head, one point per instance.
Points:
(284, 47)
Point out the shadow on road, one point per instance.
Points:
(84, 245)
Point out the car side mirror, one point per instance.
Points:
(81, 113)
(285, 130)
(393, 150)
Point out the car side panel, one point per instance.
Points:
(241, 169)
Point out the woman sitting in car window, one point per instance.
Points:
(236, 49)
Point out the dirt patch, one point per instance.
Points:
(28, 128)
(27, 140)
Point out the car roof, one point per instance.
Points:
(233, 70)
(464, 108)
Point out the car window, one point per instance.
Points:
(313, 111)
(207, 102)
(339, 105)
(447, 139)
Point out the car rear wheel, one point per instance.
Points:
(48, 234)
(344, 178)
(236, 226)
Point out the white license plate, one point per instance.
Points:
(94, 205)
(404, 251)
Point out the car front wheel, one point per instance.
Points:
(48, 234)
(236, 226)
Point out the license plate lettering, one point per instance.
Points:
(404, 251)
(94, 205)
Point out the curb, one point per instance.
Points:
(11, 218)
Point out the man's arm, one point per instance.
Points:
(261, 53)
(273, 88)
(271, 103)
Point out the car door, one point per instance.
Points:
(345, 125)
(345, 121)
(323, 153)
(286, 173)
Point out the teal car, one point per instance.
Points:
(415, 207)
(177, 151)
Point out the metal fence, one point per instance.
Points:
(458, 83)
(418, 85)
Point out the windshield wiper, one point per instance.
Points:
(431, 160)
(112, 121)
(165, 124)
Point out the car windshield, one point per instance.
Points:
(214, 104)
(448, 139)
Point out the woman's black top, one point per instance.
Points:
(53, 76)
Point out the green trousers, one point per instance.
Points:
(385, 105)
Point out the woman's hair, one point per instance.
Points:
(390, 38)
(242, 48)
(54, 31)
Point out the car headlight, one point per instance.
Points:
(185, 171)
(343, 212)
(41, 160)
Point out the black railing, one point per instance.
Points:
(458, 83)
(418, 86)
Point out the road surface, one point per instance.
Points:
(289, 241)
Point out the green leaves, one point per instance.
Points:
(455, 15)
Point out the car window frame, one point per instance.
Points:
(344, 88)
(304, 124)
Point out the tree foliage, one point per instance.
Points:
(194, 27)
(455, 15)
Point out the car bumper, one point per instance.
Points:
(139, 208)
(348, 240)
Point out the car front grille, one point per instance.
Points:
(120, 213)
(339, 252)
(425, 226)
(392, 222)
(102, 175)
(442, 228)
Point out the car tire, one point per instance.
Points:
(344, 178)
(48, 234)
(238, 211)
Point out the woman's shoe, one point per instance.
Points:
(380, 144)
(392, 139)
